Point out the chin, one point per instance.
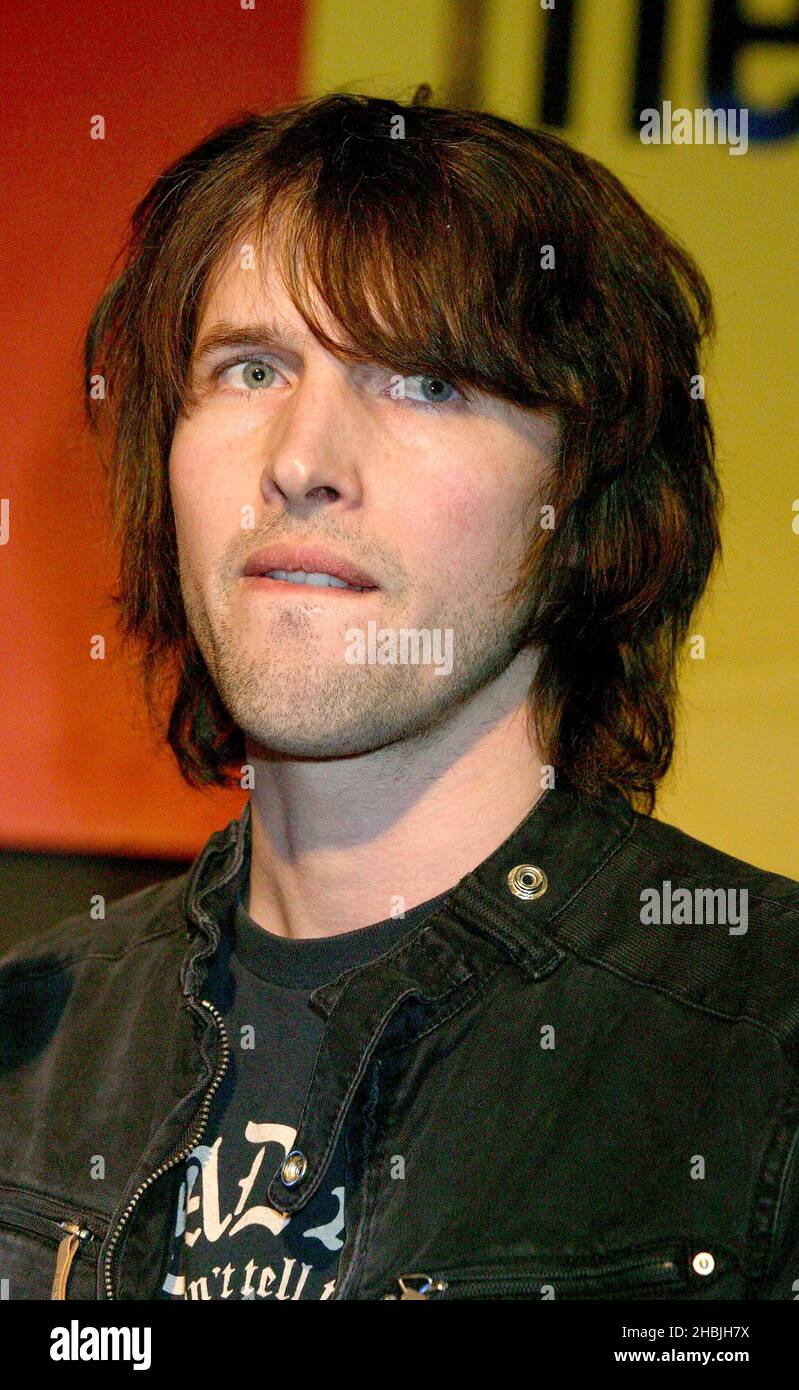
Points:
(310, 743)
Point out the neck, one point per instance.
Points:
(340, 843)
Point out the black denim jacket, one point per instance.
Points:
(543, 1095)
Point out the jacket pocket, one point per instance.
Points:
(47, 1249)
(679, 1269)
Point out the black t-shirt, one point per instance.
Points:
(228, 1243)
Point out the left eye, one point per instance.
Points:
(432, 389)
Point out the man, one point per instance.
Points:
(416, 498)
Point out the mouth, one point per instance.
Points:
(299, 582)
(307, 564)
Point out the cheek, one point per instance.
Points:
(455, 505)
(205, 500)
(184, 488)
(469, 521)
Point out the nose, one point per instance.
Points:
(311, 448)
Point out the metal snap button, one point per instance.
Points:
(294, 1168)
(703, 1262)
(527, 881)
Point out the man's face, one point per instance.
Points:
(431, 501)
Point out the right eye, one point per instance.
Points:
(256, 375)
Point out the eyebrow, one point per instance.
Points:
(266, 333)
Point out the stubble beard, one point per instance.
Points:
(286, 703)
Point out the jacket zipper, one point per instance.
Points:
(179, 1155)
(67, 1248)
(507, 1283)
(78, 1234)
(408, 1288)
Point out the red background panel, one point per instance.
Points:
(80, 769)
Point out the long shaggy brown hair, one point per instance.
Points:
(452, 243)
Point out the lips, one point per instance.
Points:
(312, 558)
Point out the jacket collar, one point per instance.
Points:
(563, 836)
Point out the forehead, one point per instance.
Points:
(246, 286)
(242, 286)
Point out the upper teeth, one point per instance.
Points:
(321, 581)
